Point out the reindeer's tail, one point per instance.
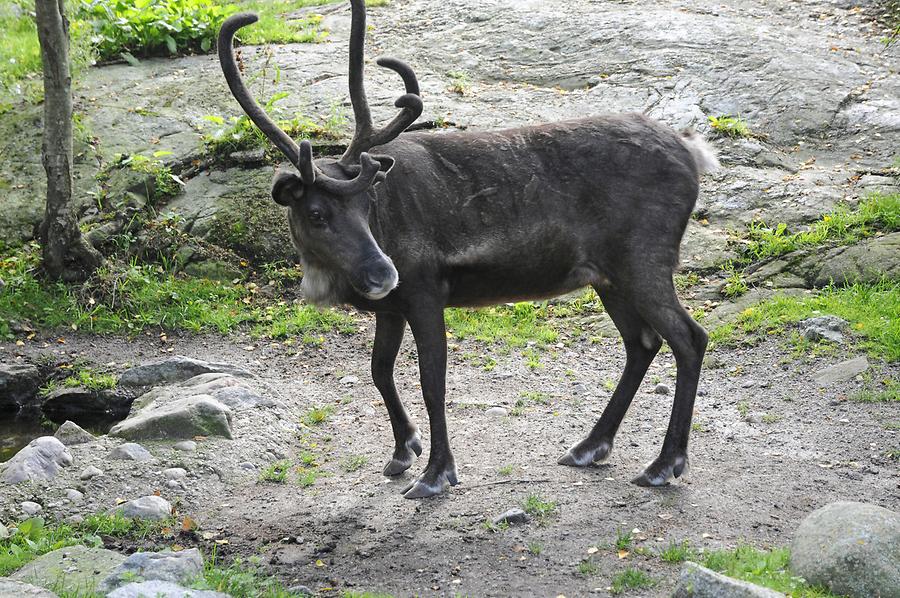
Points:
(703, 154)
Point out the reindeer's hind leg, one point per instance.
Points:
(660, 308)
(389, 330)
(641, 346)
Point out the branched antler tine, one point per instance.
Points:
(404, 70)
(358, 99)
(287, 146)
(306, 165)
(369, 168)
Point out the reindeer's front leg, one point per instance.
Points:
(389, 330)
(426, 319)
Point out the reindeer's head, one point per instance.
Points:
(330, 200)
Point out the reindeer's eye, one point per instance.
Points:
(316, 218)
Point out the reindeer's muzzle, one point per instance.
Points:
(377, 277)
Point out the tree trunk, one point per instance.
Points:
(67, 255)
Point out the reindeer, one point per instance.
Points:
(405, 224)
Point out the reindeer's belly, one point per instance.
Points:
(484, 285)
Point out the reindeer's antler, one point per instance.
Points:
(301, 156)
(366, 136)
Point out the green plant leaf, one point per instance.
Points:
(130, 59)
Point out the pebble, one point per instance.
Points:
(4, 533)
(247, 465)
(31, 508)
(74, 519)
(74, 496)
(174, 473)
(185, 445)
(514, 515)
(348, 380)
(302, 590)
(496, 412)
(130, 451)
(748, 384)
(661, 389)
(701, 392)
(174, 485)
(89, 472)
(579, 388)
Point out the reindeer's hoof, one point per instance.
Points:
(662, 471)
(404, 456)
(431, 484)
(583, 454)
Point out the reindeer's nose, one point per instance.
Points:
(380, 277)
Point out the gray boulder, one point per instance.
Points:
(174, 369)
(197, 415)
(699, 582)
(78, 402)
(71, 434)
(18, 385)
(824, 328)
(183, 567)
(234, 392)
(79, 568)
(40, 460)
(9, 587)
(841, 372)
(130, 451)
(161, 589)
(146, 507)
(851, 548)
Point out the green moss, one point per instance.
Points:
(873, 312)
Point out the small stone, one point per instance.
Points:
(71, 434)
(824, 328)
(301, 590)
(247, 465)
(74, 496)
(174, 485)
(75, 519)
(161, 589)
(130, 451)
(30, 508)
(249, 157)
(348, 380)
(185, 445)
(174, 473)
(9, 587)
(146, 507)
(40, 460)
(496, 412)
(699, 582)
(512, 516)
(748, 384)
(661, 389)
(579, 388)
(90, 472)
(702, 392)
(841, 372)
(4, 533)
(183, 566)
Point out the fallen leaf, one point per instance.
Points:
(319, 563)
(187, 524)
(623, 554)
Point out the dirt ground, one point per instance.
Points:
(769, 447)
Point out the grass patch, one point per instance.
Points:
(90, 380)
(730, 126)
(276, 472)
(33, 537)
(768, 568)
(631, 579)
(873, 311)
(677, 553)
(842, 226)
(539, 508)
(240, 134)
(624, 540)
(276, 25)
(132, 297)
(460, 82)
(317, 415)
(506, 470)
(735, 285)
(587, 568)
(354, 463)
(886, 391)
(513, 325)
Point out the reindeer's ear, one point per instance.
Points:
(387, 163)
(287, 187)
